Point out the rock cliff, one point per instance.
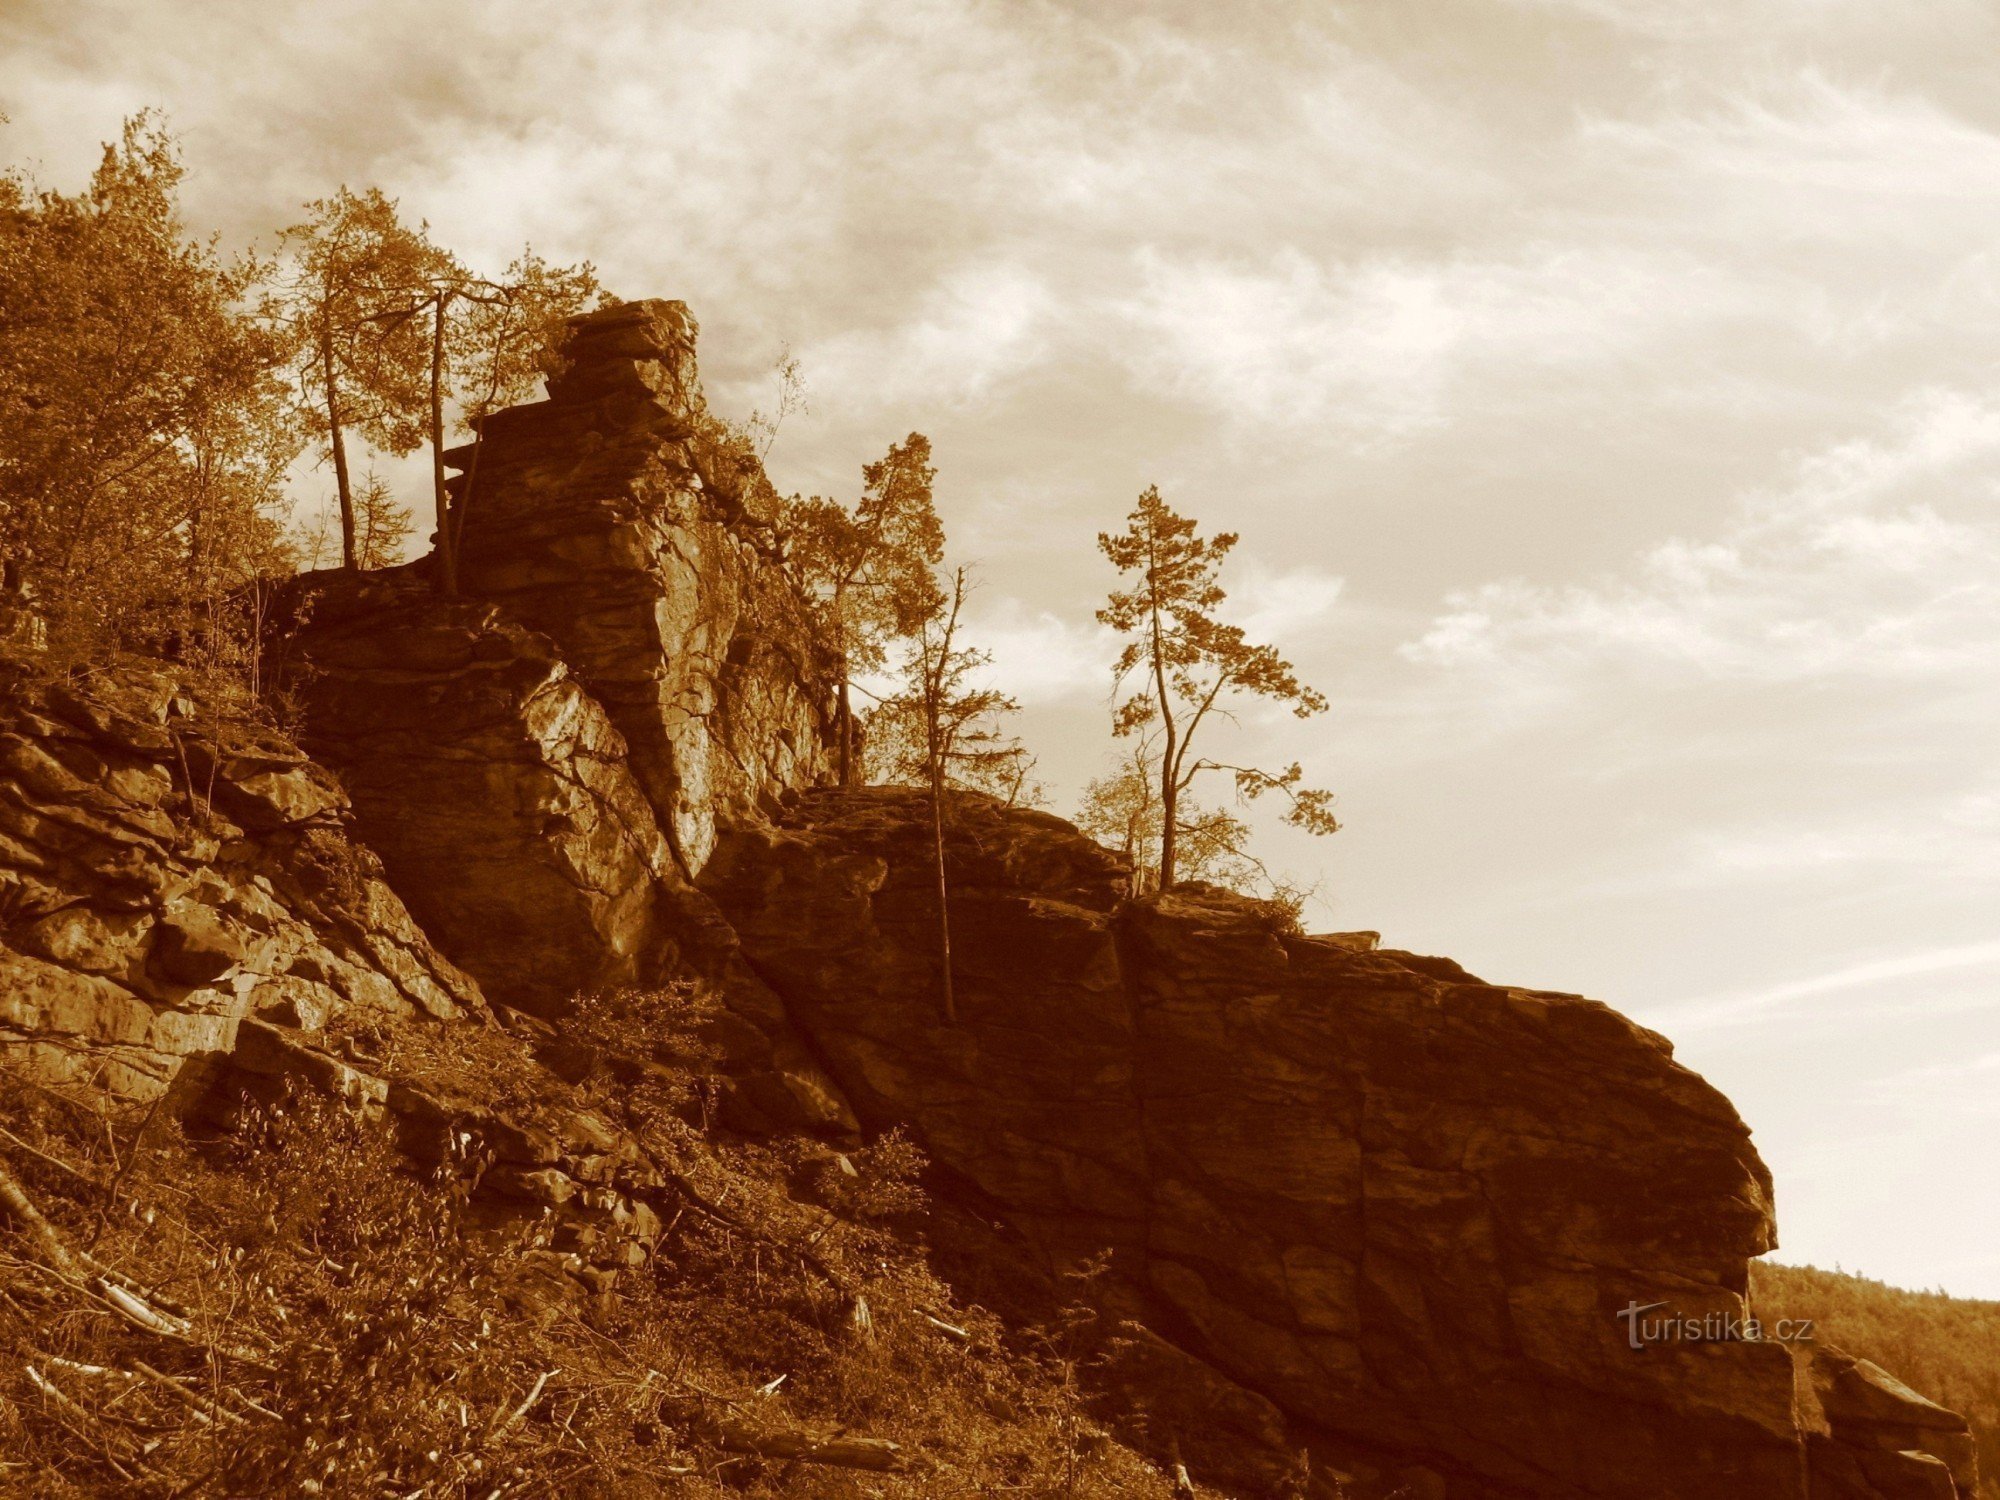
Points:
(1406, 1205)
(1357, 1202)
(619, 519)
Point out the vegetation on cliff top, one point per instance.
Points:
(1945, 1348)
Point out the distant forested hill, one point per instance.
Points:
(1946, 1348)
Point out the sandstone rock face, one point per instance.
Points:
(168, 869)
(1881, 1437)
(615, 519)
(1404, 1204)
(494, 787)
(542, 762)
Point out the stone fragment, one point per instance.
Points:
(191, 945)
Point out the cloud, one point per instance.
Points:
(1283, 607)
(984, 323)
(1870, 975)
(1693, 21)
(1962, 1086)
(1042, 658)
(1812, 164)
(1850, 570)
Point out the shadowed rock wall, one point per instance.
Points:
(543, 762)
(617, 519)
(1405, 1204)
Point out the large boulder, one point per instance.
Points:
(170, 867)
(1406, 1205)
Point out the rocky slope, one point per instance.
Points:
(1358, 1204)
(169, 869)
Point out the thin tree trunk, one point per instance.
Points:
(845, 712)
(943, 895)
(1169, 766)
(464, 504)
(338, 442)
(446, 543)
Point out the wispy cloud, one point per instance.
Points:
(1747, 1007)
(1849, 570)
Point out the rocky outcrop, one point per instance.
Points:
(495, 788)
(1880, 1438)
(620, 520)
(169, 868)
(1491, 1241)
(543, 761)
(1406, 1205)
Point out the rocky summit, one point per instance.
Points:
(1440, 1236)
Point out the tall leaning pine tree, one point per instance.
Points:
(1186, 666)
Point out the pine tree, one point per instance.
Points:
(382, 527)
(1191, 665)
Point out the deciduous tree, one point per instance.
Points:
(142, 430)
(361, 360)
(1122, 810)
(1187, 667)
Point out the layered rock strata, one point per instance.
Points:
(496, 789)
(620, 520)
(169, 868)
(1403, 1203)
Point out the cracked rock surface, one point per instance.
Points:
(1401, 1202)
(167, 869)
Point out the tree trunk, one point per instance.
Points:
(845, 716)
(446, 544)
(1169, 757)
(464, 503)
(943, 895)
(338, 442)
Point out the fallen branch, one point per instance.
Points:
(791, 1444)
(950, 1330)
(14, 1198)
(501, 1429)
(203, 1407)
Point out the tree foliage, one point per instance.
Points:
(1190, 667)
(144, 433)
(359, 363)
(868, 570)
(1122, 811)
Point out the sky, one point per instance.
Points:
(1603, 390)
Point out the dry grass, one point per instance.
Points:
(315, 1316)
